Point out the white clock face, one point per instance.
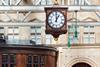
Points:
(56, 19)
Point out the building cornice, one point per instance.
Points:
(41, 8)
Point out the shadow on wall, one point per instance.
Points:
(28, 2)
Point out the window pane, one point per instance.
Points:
(1, 29)
(35, 65)
(13, 38)
(13, 30)
(29, 59)
(4, 65)
(48, 39)
(92, 40)
(35, 29)
(29, 65)
(36, 34)
(42, 59)
(10, 30)
(41, 65)
(35, 59)
(16, 30)
(38, 41)
(5, 58)
(86, 40)
(12, 58)
(12, 65)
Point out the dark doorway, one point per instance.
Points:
(81, 64)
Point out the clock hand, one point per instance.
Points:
(57, 18)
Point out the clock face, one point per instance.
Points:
(56, 19)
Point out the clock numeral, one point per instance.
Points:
(55, 26)
(50, 17)
(62, 21)
(61, 24)
(50, 22)
(54, 13)
(58, 25)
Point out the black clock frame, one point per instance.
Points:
(56, 31)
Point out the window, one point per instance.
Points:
(2, 32)
(36, 34)
(12, 30)
(71, 35)
(13, 35)
(88, 28)
(13, 39)
(35, 61)
(48, 39)
(89, 38)
(89, 35)
(8, 60)
(1, 29)
(29, 61)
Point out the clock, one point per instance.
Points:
(56, 19)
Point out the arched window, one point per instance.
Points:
(81, 64)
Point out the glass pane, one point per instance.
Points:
(38, 30)
(13, 30)
(4, 65)
(12, 65)
(29, 65)
(42, 59)
(38, 36)
(35, 59)
(48, 41)
(29, 59)
(32, 30)
(86, 40)
(92, 40)
(1, 29)
(16, 30)
(86, 26)
(33, 39)
(35, 29)
(35, 65)
(12, 58)
(91, 26)
(10, 37)
(10, 30)
(5, 58)
(38, 41)
(41, 65)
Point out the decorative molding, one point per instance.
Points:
(81, 59)
(90, 18)
(35, 20)
(73, 19)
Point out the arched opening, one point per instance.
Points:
(81, 64)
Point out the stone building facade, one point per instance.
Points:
(24, 20)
